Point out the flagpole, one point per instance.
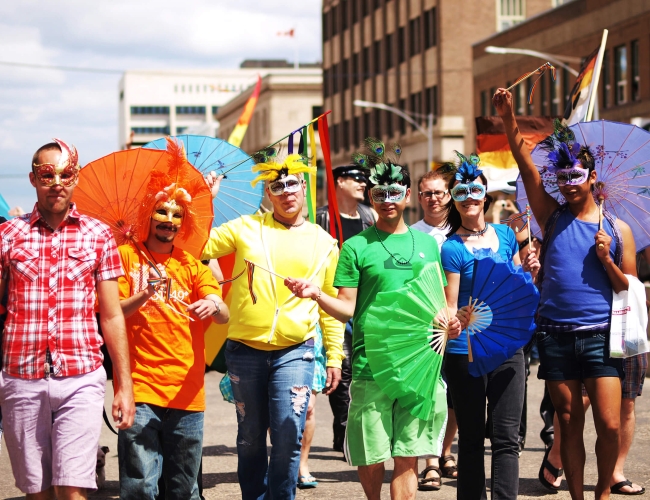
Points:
(593, 96)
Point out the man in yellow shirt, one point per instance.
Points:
(168, 298)
(270, 347)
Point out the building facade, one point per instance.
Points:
(573, 30)
(287, 101)
(158, 103)
(413, 55)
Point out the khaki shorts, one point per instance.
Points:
(379, 428)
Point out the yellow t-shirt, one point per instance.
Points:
(167, 350)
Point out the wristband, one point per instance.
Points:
(320, 292)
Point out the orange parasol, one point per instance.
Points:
(114, 189)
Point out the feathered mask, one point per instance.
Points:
(383, 165)
(562, 148)
(270, 170)
(172, 190)
(468, 169)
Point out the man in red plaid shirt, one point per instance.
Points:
(54, 263)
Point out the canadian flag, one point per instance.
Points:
(286, 33)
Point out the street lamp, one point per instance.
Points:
(407, 115)
(552, 58)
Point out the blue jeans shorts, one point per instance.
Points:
(576, 355)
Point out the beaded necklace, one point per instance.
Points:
(397, 259)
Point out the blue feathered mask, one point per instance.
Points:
(562, 148)
(468, 169)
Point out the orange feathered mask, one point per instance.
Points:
(173, 191)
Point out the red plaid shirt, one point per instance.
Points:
(51, 305)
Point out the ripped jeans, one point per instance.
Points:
(271, 391)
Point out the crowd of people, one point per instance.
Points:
(299, 324)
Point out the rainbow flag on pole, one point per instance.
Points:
(237, 134)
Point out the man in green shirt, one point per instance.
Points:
(381, 259)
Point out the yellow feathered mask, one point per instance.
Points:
(271, 171)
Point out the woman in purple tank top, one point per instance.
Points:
(581, 266)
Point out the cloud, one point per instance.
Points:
(38, 104)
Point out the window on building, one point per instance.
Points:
(493, 110)
(390, 123)
(149, 110)
(345, 77)
(606, 77)
(378, 55)
(336, 78)
(181, 130)
(346, 134)
(414, 36)
(151, 130)
(356, 130)
(390, 51)
(215, 110)
(326, 25)
(190, 110)
(530, 108)
(620, 74)
(335, 137)
(401, 44)
(316, 111)
(334, 20)
(634, 62)
(365, 6)
(416, 106)
(402, 121)
(345, 14)
(520, 99)
(543, 94)
(555, 98)
(484, 103)
(430, 31)
(566, 89)
(377, 4)
(367, 125)
(366, 63)
(354, 7)
(356, 68)
(509, 13)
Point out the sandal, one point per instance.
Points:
(449, 471)
(306, 482)
(430, 483)
(553, 470)
(617, 489)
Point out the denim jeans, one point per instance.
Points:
(271, 390)
(504, 390)
(162, 441)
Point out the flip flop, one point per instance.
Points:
(306, 482)
(553, 470)
(616, 489)
(430, 483)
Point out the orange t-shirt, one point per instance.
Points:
(167, 350)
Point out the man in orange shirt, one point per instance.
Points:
(168, 298)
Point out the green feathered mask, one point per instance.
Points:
(382, 162)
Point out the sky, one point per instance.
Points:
(81, 107)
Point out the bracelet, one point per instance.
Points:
(216, 313)
(320, 292)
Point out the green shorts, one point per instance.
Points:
(379, 428)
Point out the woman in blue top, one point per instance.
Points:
(504, 387)
(581, 266)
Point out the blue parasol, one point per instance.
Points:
(622, 157)
(504, 301)
(236, 195)
(4, 208)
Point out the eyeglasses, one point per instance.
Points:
(427, 195)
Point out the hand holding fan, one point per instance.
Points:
(502, 311)
(406, 334)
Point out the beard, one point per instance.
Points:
(166, 227)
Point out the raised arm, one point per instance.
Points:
(541, 203)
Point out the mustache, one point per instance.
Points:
(167, 226)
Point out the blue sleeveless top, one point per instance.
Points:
(576, 288)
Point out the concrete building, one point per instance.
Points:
(157, 103)
(414, 55)
(574, 30)
(287, 101)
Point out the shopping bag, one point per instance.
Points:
(627, 335)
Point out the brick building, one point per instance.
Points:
(414, 55)
(573, 29)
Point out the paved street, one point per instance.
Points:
(337, 479)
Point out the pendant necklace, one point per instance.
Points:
(402, 262)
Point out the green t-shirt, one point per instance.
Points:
(366, 265)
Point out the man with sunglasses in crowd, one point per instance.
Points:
(270, 347)
(351, 182)
(54, 263)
